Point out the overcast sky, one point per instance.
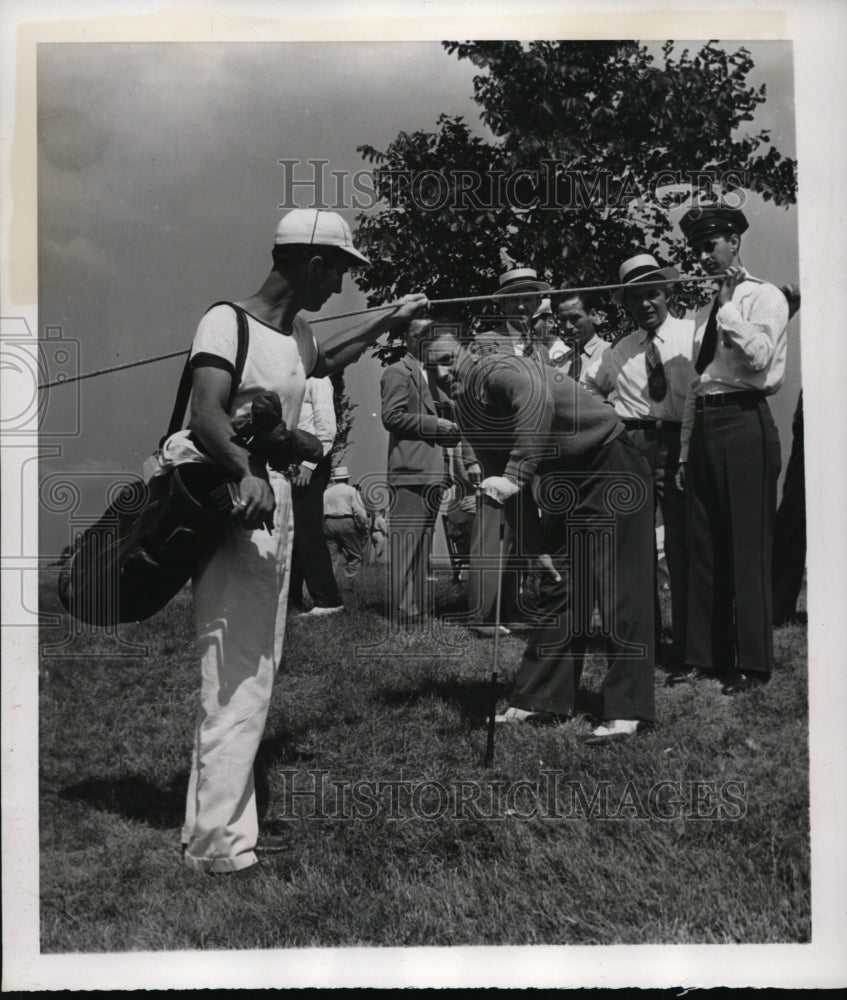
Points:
(159, 189)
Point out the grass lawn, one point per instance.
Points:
(395, 832)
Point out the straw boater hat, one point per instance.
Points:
(340, 473)
(521, 279)
(641, 267)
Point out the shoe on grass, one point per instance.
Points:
(319, 612)
(514, 715)
(611, 731)
(489, 631)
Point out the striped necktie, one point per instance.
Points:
(657, 383)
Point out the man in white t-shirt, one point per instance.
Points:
(240, 594)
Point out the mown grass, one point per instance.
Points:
(527, 867)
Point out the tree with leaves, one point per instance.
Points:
(593, 144)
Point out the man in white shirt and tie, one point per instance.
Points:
(730, 457)
(578, 315)
(646, 376)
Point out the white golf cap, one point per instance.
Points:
(311, 227)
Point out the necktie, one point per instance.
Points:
(576, 364)
(710, 342)
(657, 384)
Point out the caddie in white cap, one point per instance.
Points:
(240, 594)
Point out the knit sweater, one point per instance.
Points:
(523, 418)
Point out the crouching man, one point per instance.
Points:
(595, 538)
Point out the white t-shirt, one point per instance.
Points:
(275, 362)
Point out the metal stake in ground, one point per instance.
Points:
(492, 699)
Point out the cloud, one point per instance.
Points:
(70, 138)
(75, 255)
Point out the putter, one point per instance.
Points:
(492, 699)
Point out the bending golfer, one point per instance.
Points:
(595, 540)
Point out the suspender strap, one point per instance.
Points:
(184, 390)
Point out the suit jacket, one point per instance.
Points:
(410, 415)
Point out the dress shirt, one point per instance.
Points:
(342, 499)
(317, 414)
(620, 374)
(751, 347)
(590, 351)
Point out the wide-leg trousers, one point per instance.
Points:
(411, 522)
(731, 478)
(661, 449)
(345, 544)
(240, 603)
(310, 559)
(603, 547)
(789, 550)
(484, 569)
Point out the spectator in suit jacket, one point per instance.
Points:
(416, 414)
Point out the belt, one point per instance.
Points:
(739, 398)
(633, 424)
(326, 516)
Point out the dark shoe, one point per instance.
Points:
(680, 677)
(743, 683)
(689, 674)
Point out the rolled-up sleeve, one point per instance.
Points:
(755, 323)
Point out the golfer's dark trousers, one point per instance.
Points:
(411, 520)
(732, 472)
(660, 446)
(310, 559)
(789, 548)
(603, 547)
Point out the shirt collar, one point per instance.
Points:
(590, 346)
(659, 333)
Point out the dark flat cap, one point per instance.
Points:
(707, 219)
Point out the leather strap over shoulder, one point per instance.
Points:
(183, 392)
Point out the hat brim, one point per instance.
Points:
(525, 287)
(359, 258)
(663, 273)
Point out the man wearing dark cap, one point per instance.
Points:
(730, 458)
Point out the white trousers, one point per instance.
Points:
(240, 601)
